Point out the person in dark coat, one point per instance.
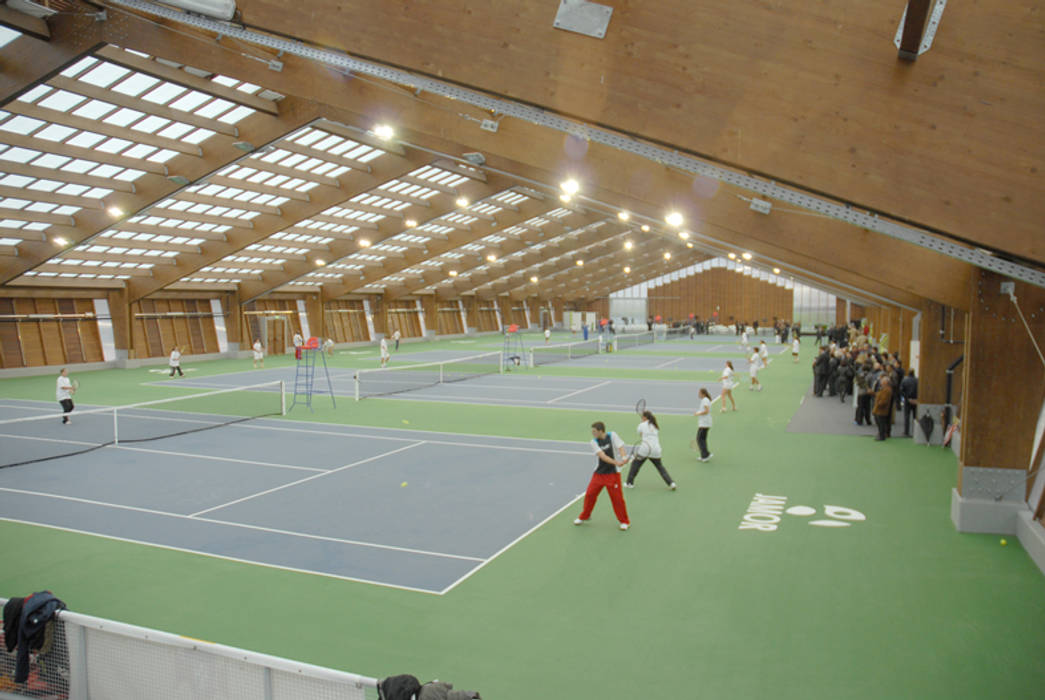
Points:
(832, 375)
(883, 406)
(909, 395)
(820, 370)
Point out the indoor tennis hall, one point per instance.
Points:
(308, 313)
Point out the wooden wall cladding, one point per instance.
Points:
(279, 334)
(157, 325)
(403, 316)
(486, 315)
(346, 321)
(735, 296)
(47, 341)
(448, 318)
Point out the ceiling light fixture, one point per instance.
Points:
(570, 186)
(384, 132)
(115, 212)
(628, 245)
(60, 241)
(364, 242)
(491, 257)
(534, 279)
(674, 219)
(321, 262)
(462, 202)
(580, 263)
(645, 228)
(732, 256)
(776, 270)
(689, 245)
(683, 235)
(627, 270)
(453, 273)
(746, 256)
(667, 256)
(410, 223)
(623, 215)
(565, 197)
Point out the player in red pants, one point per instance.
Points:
(606, 446)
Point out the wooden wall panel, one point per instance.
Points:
(1004, 377)
(279, 333)
(402, 315)
(938, 351)
(38, 342)
(486, 314)
(346, 321)
(736, 297)
(32, 341)
(449, 319)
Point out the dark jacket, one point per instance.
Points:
(909, 388)
(402, 687)
(37, 611)
(883, 401)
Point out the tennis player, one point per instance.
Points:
(743, 339)
(649, 432)
(703, 415)
(396, 336)
(175, 362)
(755, 364)
(606, 445)
(328, 346)
(385, 357)
(259, 353)
(727, 386)
(547, 335)
(64, 391)
(299, 342)
(794, 349)
(763, 353)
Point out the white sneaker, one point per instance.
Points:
(624, 526)
(673, 486)
(578, 521)
(628, 486)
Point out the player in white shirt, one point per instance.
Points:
(650, 449)
(259, 353)
(547, 335)
(64, 391)
(299, 342)
(396, 335)
(175, 362)
(606, 446)
(763, 353)
(794, 349)
(728, 384)
(385, 357)
(328, 346)
(703, 415)
(755, 362)
(743, 339)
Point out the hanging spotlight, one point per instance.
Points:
(627, 270)
(667, 256)
(60, 241)
(384, 132)
(320, 262)
(570, 187)
(645, 228)
(580, 263)
(491, 257)
(410, 223)
(674, 219)
(534, 279)
(732, 256)
(364, 242)
(776, 270)
(115, 212)
(689, 245)
(462, 202)
(628, 245)
(623, 215)
(565, 197)
(683, 235)
(746, 256)
(453, 273)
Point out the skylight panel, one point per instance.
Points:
(163, 93)
(175, 131)
(85, 139)
(191, 101)
(62, 101)
(104, 75)
(7, 36)
(123, 117)
(151, 124)
(19, 155)
(11, 203)
(224, 80)
(139, 151)
(95, 109)
(236, 115)
(114, 145)
(50, 160)
(54, 132)
(129, 175)
(21, 125)
(136, 85)
(106, 171)
(39, 91)
(40, 185)
(11, 223)
(309, 137)
(214, 108)
(162, 155)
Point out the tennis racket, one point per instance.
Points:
(693, 445)
(76, 385)
(640, 406)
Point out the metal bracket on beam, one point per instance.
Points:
(930, 28)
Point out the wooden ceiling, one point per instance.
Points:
(812, 97)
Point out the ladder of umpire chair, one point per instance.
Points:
(303, 377)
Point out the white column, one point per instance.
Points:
(303, 317)
(369, 319)
(219, 326)
(464, 315)
(104, 321)
(421, 317)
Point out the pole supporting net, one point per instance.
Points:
(395, 380)
(560, 352)
(680, 332)
(32, 439)
(633, 340)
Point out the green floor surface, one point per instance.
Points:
(684, 605)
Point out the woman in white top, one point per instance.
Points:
(727, 386)
(384, 352)
(763, 353)
(703, 415)
(743, 339)
(259, 353)
(328, 346)
(175, 362)
(64, 391)
(649, 431)
(794, 349)
(547, 335)
(755, 362)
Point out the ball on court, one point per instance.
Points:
(402, 485)
(406, 422)
(1003, 543)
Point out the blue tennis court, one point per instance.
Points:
(408, 509)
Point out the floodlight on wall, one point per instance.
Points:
(245, 146)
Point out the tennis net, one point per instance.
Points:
(27, 440)
(632, 340)
(395, 380)
(560, 352)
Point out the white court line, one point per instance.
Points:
(518, 403)
(670, 362)
(219, 459)
(579, 391)
(508, 546)
(307, 478)
(46, 439)
(244, 526)
(224, 557)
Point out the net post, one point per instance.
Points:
(282, 398)
(355, 379)
(115, 429)
(533, 363)
(441, 367)
(500, 363)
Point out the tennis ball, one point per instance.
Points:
(1003, 543)
(403, 485)
(406, 422)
